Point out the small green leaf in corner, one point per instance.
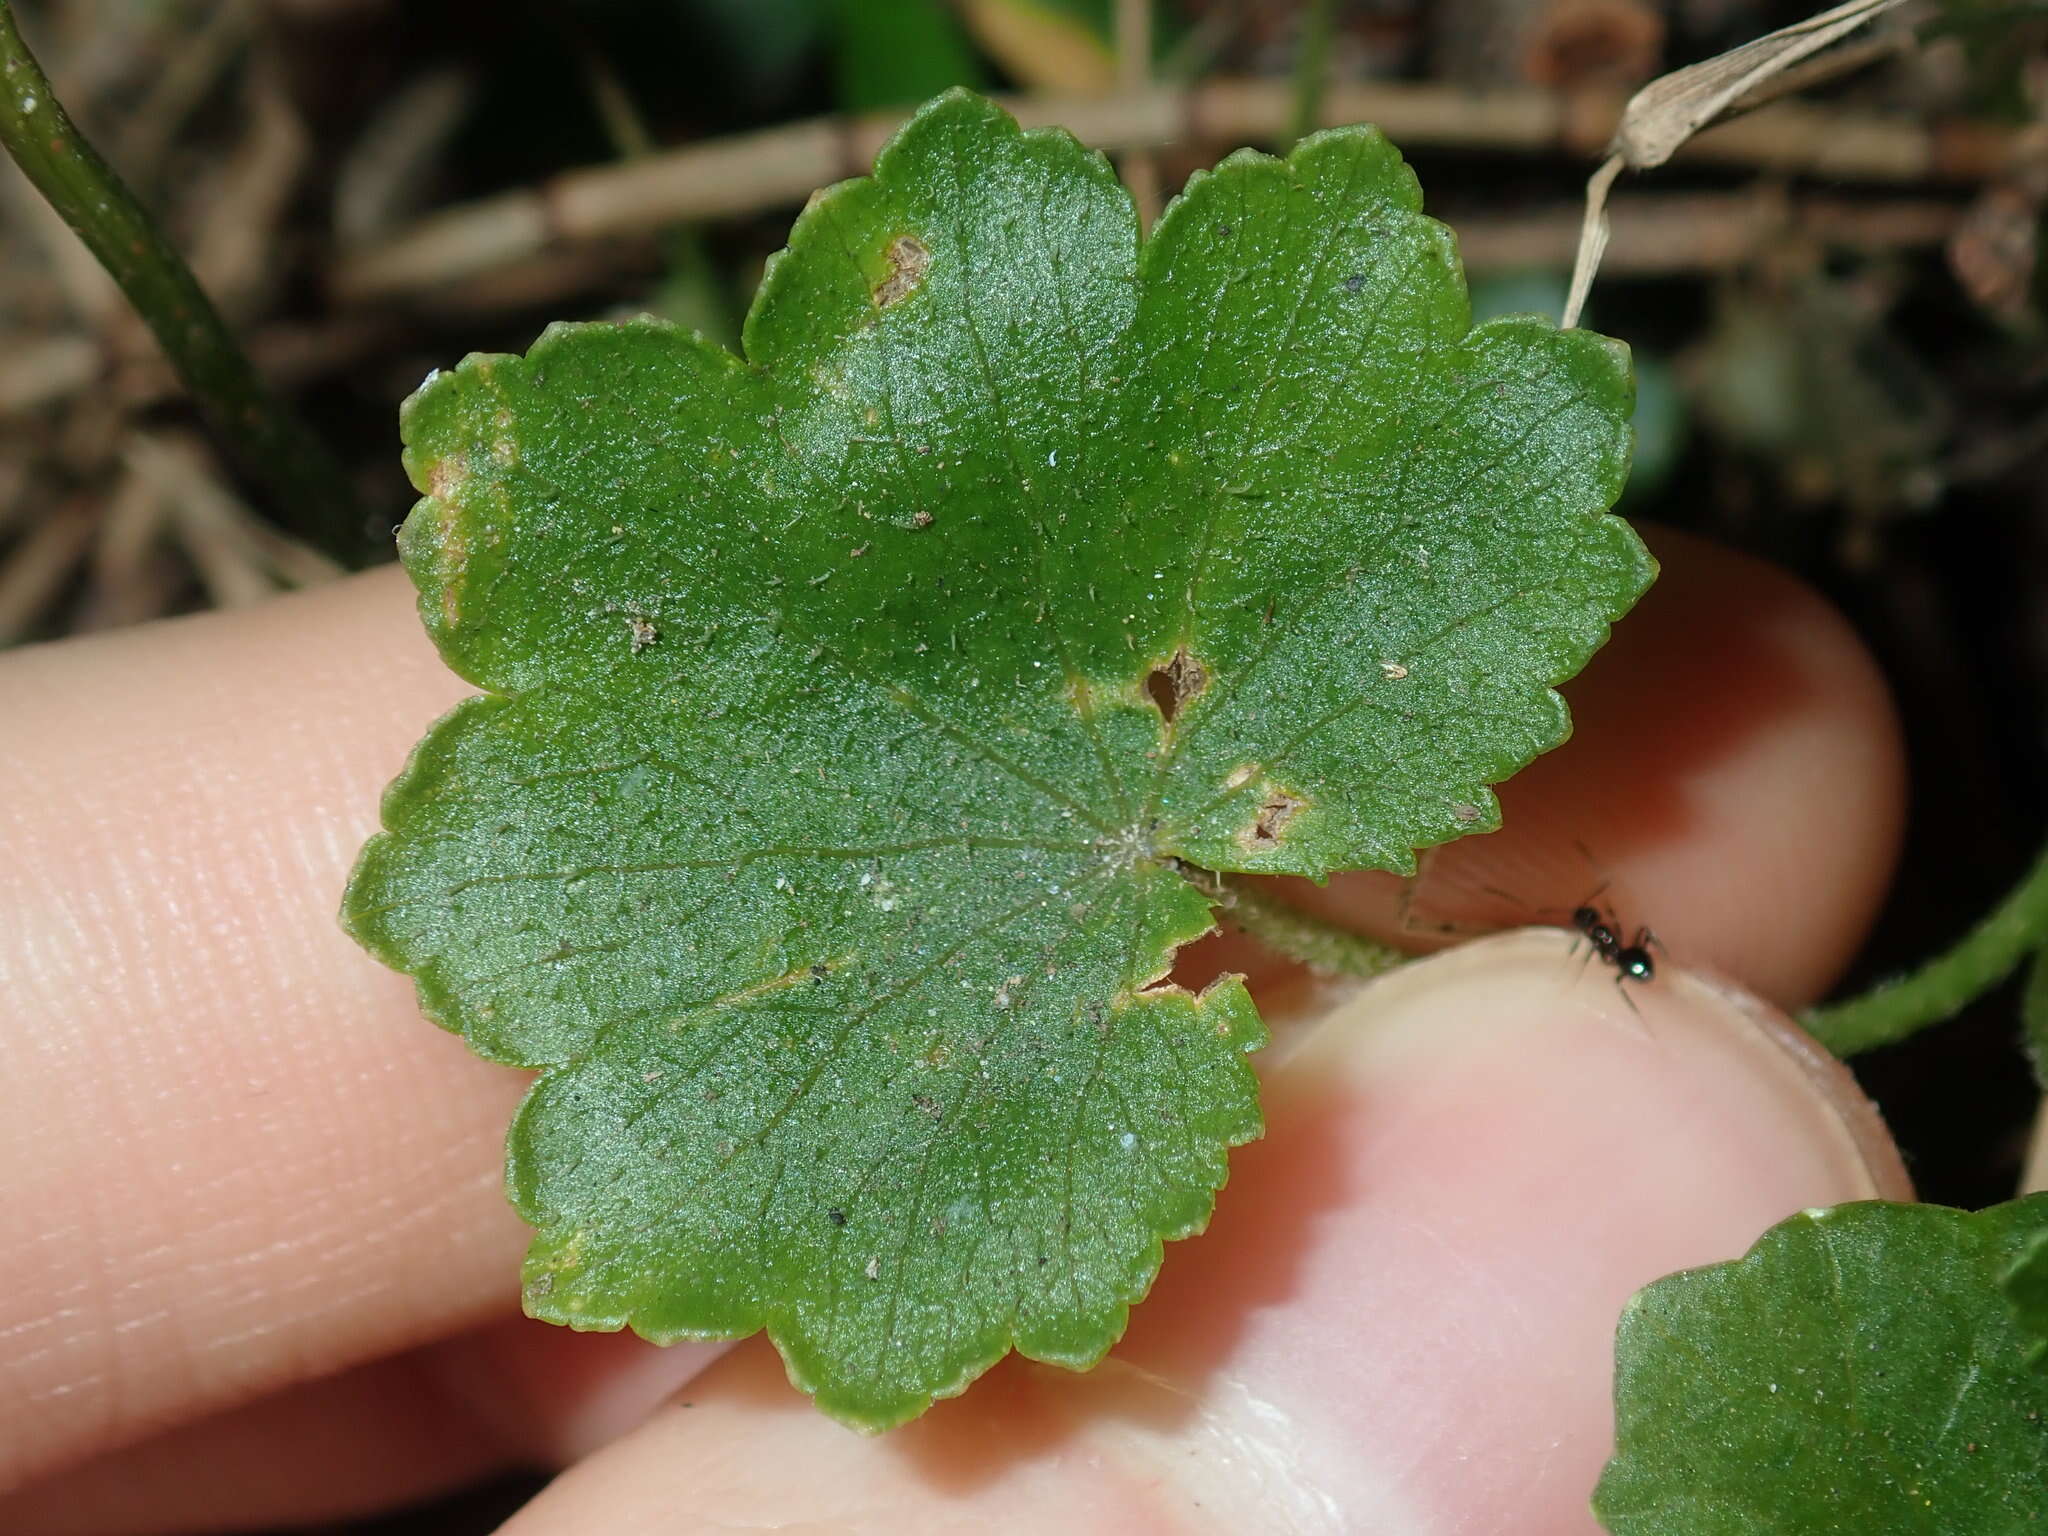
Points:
(1858, 1370)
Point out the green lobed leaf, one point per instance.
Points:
(862, 719)
(1858, 1370)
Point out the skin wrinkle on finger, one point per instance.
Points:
(243, 1159)
(1402, 1314)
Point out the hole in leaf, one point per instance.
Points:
(1171, 686)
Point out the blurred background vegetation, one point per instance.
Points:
(1836, 304)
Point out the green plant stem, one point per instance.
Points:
(1292, 932)
(312, 491)
(1311, 68)
(1894, 1009)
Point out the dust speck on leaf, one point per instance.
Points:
(909, 260)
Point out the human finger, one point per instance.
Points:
(238, 1158)
(1401, 1318)
(186, 984)
(392, 1431)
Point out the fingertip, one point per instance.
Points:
(1401, 1318)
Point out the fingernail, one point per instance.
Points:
(1531, 999)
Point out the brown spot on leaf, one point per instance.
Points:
(1172, 685)
(444, 478)
(1277, 810)
(909, 260)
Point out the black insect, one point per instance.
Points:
(1631, 961)
(1597, 927)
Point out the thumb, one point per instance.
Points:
(1401, 1318)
